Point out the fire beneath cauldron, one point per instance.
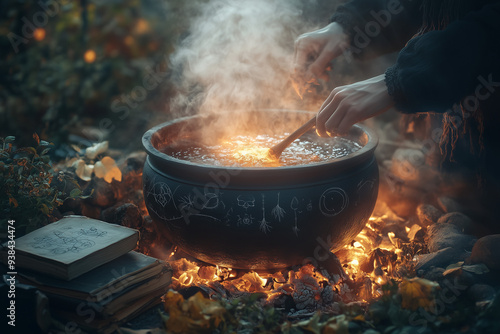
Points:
(383, 251)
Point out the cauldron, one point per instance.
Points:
(258, 218)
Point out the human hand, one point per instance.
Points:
(351, 104)
(315, 49)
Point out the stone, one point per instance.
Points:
(72, 204)
(148, 224)
(127, 214)
(440, 236)
(441, 258)
(102, 194)
(461, 276)
(486, 250)
(435, 274)
(448, 204)
(481, 292)
(461, 221)
(136, 160)
(90, 211)
(428, 214)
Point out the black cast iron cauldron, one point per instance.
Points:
(258, 218)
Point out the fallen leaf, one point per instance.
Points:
(108, 170)
(359, 317)
(336, 325)
(76, 148)
(311, 325)
(45, 209)
(477, 269)
(455, 265)
(75, 193)
(83, 171)
(195, 315)
(417, 292)
(71, 162)
(452, 270)
(413, 231)
(93, 151)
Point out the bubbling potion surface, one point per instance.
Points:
(252, 151)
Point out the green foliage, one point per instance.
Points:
(27, 191)
(247, 314)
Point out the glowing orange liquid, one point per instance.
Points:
(251, 151)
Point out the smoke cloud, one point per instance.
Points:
(237, 56)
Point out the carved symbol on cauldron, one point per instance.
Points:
(227, 217)
(264, 225)
(278, 212)
(186, 202)
(211, 201)
(309, 206)
(246, 201)
(295, 206)
(163, 195)
(246, 219)
(333, 201)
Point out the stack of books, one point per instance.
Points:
(90, 273)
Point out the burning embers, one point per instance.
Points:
(382, 252)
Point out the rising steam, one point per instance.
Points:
(237, 57)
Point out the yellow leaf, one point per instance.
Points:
(336, 325)
(83, 171)
(45, 209)
(359, 317)
(93, 151)
(200, 307)
(417, 292)
(195, 315)
(108, 170)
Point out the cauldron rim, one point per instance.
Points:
(362, 154)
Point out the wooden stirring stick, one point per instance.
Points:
(276, 150)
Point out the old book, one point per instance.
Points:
(96, 324)
(108, 295)
(73, 246)
(107, 280)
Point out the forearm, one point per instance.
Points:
(377, 27)
(440, 68)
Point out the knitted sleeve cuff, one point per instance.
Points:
(395, 90)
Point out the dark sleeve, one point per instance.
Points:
(440, 68)
(377, 27)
